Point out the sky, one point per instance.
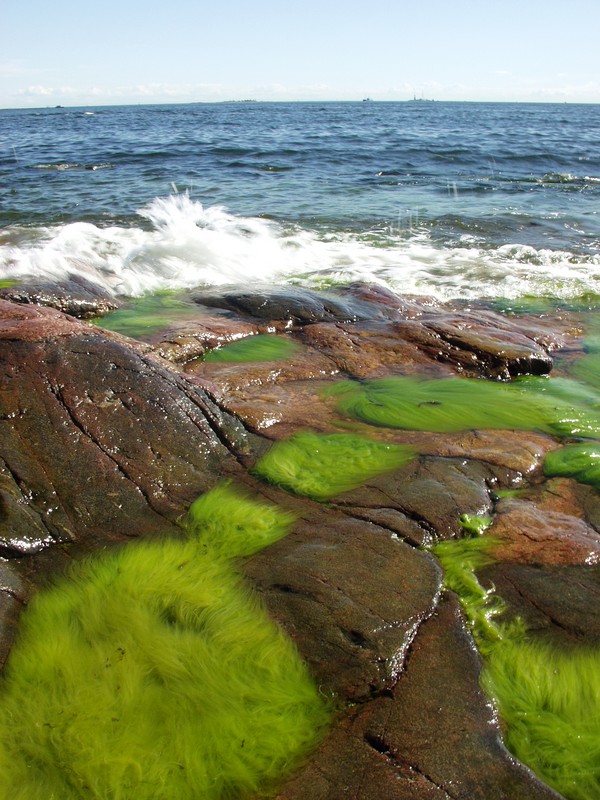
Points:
(119, 52)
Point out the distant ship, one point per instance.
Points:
(416, 99)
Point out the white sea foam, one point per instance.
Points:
(190, 245)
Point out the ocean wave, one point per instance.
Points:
(184, 244)
(61, 166)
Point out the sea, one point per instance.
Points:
(439, 199)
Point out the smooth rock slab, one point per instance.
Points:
(98, 440)
(424, 501)
(75, 296)
(350, 595)
(527, 534)
(560, 603)
(434, 736)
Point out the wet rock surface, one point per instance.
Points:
(77, 297)
(103, 439)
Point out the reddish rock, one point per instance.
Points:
(424, 501)
(98, 440)
(528, 534)
(349, 594)
(559, 603)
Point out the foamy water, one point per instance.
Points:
(190, 245)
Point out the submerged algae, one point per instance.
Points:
(552, 405)
(254, 348)
(322, 466)
(579, 461)
(148, 314)
(153, 672)
(548, 699)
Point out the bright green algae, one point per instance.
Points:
(322, 466)
(153, 672)
(254, 348)
(578, 461)
(548, 699)
(558, 406)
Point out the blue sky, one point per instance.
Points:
(73, 53)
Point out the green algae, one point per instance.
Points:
(7, 283)
(153, 671)
(544, 305)
(254, 348)
(578, 461)
(548, 699)
(474, 524)
(558, 406)
(587, 368)
(549, 702)
(322, 466)
(147, 315)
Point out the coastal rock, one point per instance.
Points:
(414, 743)
(424, 501)
(403, 333)
(487, 345)
(528, 534)
(98, 440)
(76, 296)
(186, 343)
(287, 304)
(370, 350)
(559, 603)
(103, 440)
(351, 596)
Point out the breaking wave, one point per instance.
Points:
(184, 244)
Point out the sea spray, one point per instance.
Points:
(151, 670)
(182, 243)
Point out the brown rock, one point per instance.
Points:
(486, 344)
(558, 602)
(101, 440)
(435, 735)
(528, 534)
(350, 595)
(288, 304)
(98, 440)
(424, 501)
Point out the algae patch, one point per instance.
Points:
(147, 315)
(322, 466)
(578, 461)
(558, 406)
(548, 699)
(262, 347)
(153, 671)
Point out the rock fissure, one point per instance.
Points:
(382, 747)
(120, 467)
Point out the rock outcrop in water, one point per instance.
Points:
(105, 439)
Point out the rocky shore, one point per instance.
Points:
(106, 438)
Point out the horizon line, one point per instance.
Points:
(368, 100)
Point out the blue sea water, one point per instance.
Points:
(468, 200)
